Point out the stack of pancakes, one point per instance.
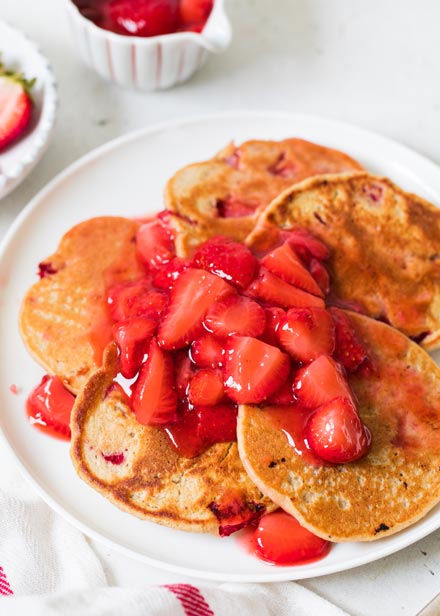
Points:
(385, 257)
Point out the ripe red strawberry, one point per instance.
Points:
(143, 17)
(274, 290)
(232, 207)
(134, 299)
(154, 398)
(307, 246)
(235, 315)
(253, 369)
(155, 244)
(321, 275)
(273, 318)
(184, 373)
(336, 432)
(193, 11)
(207, 352)
(307, 333)
(133, 337)
(350, 351)
(49, 406)
(284, 395)
(283, 262)
(206, 387)
(192, 294)
(227, 259)
(15, 105)
(320, 382)
(167, 274)
(281, 540)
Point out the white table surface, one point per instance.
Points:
(375, 64)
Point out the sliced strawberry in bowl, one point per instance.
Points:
(206, 387)
(281, 540)
(321, 381)
(133, 337)
(350, 351)
(154, 398)
(227, 259)
(307, 333)
(155, 244)
(142, 17)
(207, 352)
(283, 262)
(273, 290)
(336, 433)
(15, 106)
(235, 315)
(192, 295)
(253, 369)
(166, 275)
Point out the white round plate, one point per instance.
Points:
(20, 54)
(127, 177)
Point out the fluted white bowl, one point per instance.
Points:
(19, 53)
(148, 63)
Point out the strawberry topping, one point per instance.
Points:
(236, 315)
(350, 351)
(49, 406)
(320, 382)
(284, 263)
(275, 291)
(307, 333)
(234, 513)
(133, 337)
(207, 352)
(154, 243)
(206, 387)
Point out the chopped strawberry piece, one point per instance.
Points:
(142, 17)
(184, 373)
(154, 398)
(283, 167)
(253, 369)
(307, 333)
(233, 207)
(45, 269)
(49, 406)
(114, 458)
(320, 382)
(350, 351)
(192, 11)
(206, 387)
(134, 299)
(198, 428)
(207, 352)
(321, 275)
(166, 276)
(284, 263)
(234, 513)
(307, 246)
(132, 337)
(284, 395)
(155, 245)
(273, 318)
(336, 432)
(235, 315)
(228, 259)
(274, 290)
(192, 294)
(281, 540)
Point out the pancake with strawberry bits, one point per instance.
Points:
(388, 489)
(63, 320)
(384, 245)
(223, 195)
(135, 467)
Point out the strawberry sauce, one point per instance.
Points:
(48, 407)
(292, 422)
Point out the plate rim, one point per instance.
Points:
(272, 575)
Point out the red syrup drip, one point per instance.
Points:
(49, 406)
(280, 540)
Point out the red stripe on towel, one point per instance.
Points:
(5, 588)
(192, 600)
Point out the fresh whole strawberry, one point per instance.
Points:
(143, 17)
(228, 259)
(15, 106)
(336, 433)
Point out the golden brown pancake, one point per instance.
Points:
(64, 320)
(222, 196)
(395, 484)
(149, 479)
(384, 243)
